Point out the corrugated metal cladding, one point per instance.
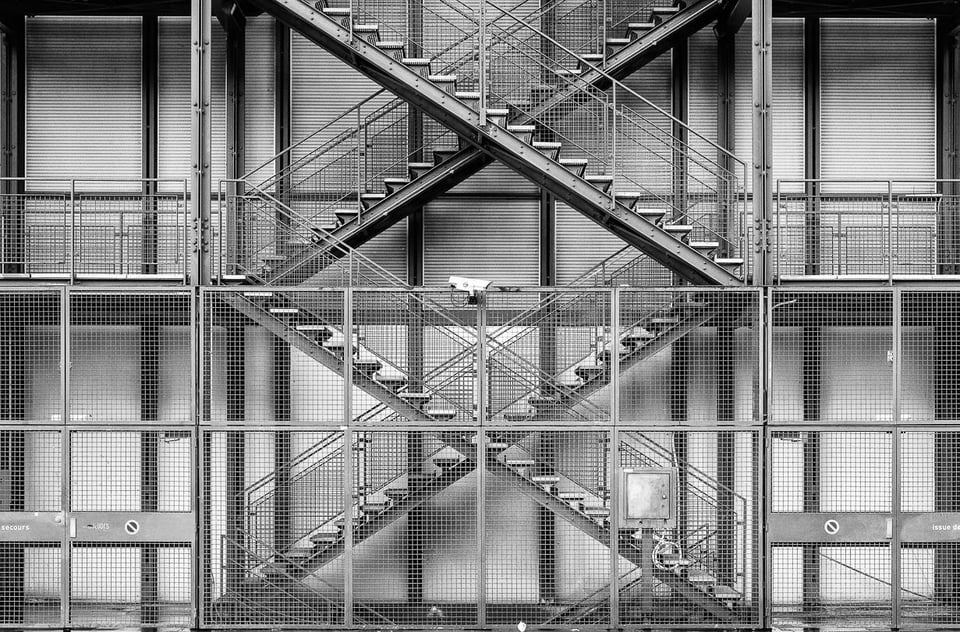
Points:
(175, 109)
(499, 178)
(878, 94)
(83, 98)
(788, 143)
(389, 250)
(581, 244)
(260, 91)
(494, 239)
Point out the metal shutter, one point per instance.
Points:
(174, 109)
(389, 250)
(494, 239)
(878, 94)
(83, 98)
(499, 178)
(581, 244)
(260, 102)
(788, 119)
(702, 88)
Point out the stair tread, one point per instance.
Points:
(618, 41)
(640, 26)
(415, 397)
(520, 462)
(545, 478)
(442, 78)
(596, 178)
(415, 61)
(726, 592)
(728, 261)
(466, 94)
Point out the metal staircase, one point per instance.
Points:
(532, 107)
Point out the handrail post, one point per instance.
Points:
(73, 232)
(185, 235)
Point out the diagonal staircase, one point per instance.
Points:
(517, 93)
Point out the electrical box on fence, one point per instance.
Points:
(649, 498)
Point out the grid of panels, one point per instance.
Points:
(546, 357)
(274, 357)
(415, 555)
(929, 584)
(30, 591)
(705, 569)
(131, 358)
(272, 534)
(30, 356)
(832, 357)
(930, 351)
(690, 357)
(115, 584)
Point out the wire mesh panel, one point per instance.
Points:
(704, 566)
(131, 358)
(930, 527)
(690, 357)
(930, 353)
(30, 348)
(415, 360)
(415, 557)
(832, 356)
(831, 503)
(30, 532)
(273, 357)
(545, 357)
(547, 509)
(272, 535)
(131, 528)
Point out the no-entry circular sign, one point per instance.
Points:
(831, 527)
(132, 527)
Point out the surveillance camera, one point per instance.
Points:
(472, 286)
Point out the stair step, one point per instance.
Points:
(545, 479)
(420, 65)
(576, 165)
(520, 462)
(679, 230)
(366, 28)
(396, 49)
(340, 14)
(441, 156)
(616, 43)
(395, 184)
(467, 95)
(442, 78)
(298, 552)
(374, 508)
(589, 372)
(273, 257)
(730, 263)
(446, 462)
(701, 577)
(284, 311)
(597, 511)
(662, 322)
(652, 215)
(523, 132)
(704, 246)
(516, 418)
(635, 338)
(392, 381)
(568, 72)
(628, 198)
(441, 414)
(346, 215)
(726, 593)
(417, 399)
(592, 58)
(498, 116)
(601, 182)
(257, 294)
(396, 493)
(371, 199)
(571, 496)
(324, 537)
(418, 169)
(316, 328)
(640, 27)
(659, 14)
(543, 402)
(366, 367)
(549, 148)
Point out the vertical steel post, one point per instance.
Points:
(895, 578)
(614, 464)
(65, 552)
(613, 149)
(73, 210)
(481, 397)
(200, 85)
(890, 232)
(348, 456)
(762, 35)
(359, 169)
(482, 62)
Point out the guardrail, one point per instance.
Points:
(879, 229)
(94, 229)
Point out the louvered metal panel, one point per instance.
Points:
(259, 139)
(702, 87)
(175, 109)
(878, 99)
(581, 244)
(83, 98)
(492, 239)
(389, 250)
(788, 138)
(498, 178)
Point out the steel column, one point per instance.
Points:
(149, 98)
(614, 465)
(811, 115)
(349, 485)
(946, 468)
(200, 88)
(235, 370)
(12, 140)
(282, 448)
(762, 159)
(726, 131)
(233, 21)
(811, 384)
(149, 462)
(726, 448)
